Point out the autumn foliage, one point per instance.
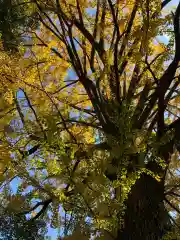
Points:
(89, 116)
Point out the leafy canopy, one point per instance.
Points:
(87, 103)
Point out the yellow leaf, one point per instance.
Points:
(122, 25)
(2, 167)
(159, 48)
(9, 97)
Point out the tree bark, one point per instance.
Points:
(145, 215)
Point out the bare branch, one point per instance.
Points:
(94, 36)
(44, 205)
(34, 112)
(129, 27)
(78, 122)
(172, 206)
(164, 3)
(19, 110)
(172, 194)
(67, 85)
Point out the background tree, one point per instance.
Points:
(13, 226)
(90, 118)
(16, 17)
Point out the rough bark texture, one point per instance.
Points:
(146, 216)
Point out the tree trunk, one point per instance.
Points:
(145, 216)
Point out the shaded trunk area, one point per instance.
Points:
(145, 216)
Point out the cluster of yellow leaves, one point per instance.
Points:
(159, 48)
(42, 73)
(83, 134)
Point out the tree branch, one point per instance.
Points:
(78, 122)
(34, 112)
(30, 151)
(172, 206)
(164, 3)
(44, 205)
(129, 27)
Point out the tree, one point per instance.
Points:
(17, 227)
(95, 123)
(16, 16)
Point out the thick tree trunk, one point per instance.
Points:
(145, 216)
